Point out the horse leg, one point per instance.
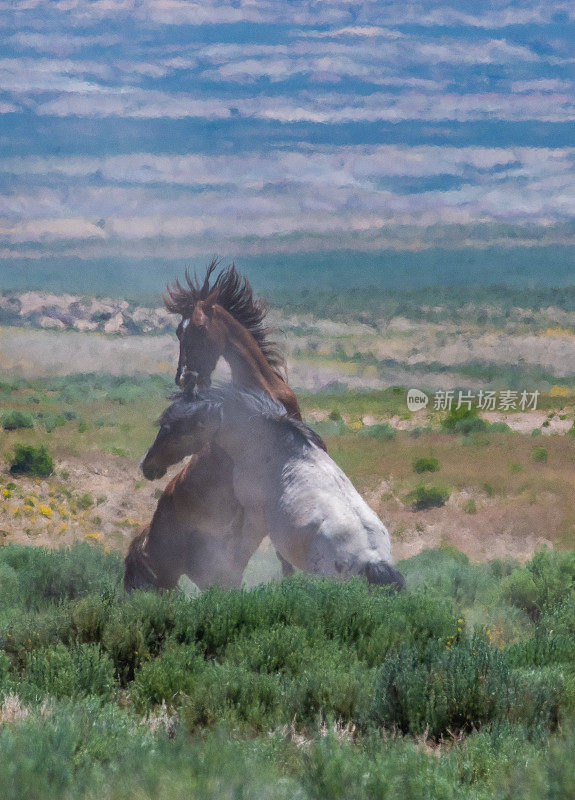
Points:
(249, 534)
(287, 568)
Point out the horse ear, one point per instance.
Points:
(209, 302)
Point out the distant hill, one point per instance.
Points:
(143, 281)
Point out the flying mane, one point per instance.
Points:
(235, 295)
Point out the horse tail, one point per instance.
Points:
(138, 574)
(383, 574)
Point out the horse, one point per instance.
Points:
(223, 319)
(196, 530)
(219, 318)
(284, 480)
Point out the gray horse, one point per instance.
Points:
(285, 482)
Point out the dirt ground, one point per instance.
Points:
(40, 512)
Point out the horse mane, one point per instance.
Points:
(255, 402)
(235, 295)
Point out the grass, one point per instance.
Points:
(305, 687)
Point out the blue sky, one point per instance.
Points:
(132, 129)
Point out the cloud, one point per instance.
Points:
(62, 43)
(328, 108)
(339, 13)
(47, 230)
(282, 63)
(359, 167)
(8, 108)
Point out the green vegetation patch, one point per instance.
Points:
(14, 420)
(424, 497)
(425, 464)
(539, 454)
(30, 460)
(463, 420)
(305, 687)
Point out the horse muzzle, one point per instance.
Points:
(152, 473)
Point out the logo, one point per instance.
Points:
(416, 400)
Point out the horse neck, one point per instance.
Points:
(249, 440)
(249, 365)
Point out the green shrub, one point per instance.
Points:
(543, 697)
(554, 574)
(469, 506)
(89, 616)
(383, 431)
(24, 632)
(425, 464)
(424, 497)
(79, 671)
(234, 695)
(539, 454)
(544, 583)
(9, 585)
(173, 673)
(13, 420)
(328, 427)
(31, 461)
(51, 421)
(519, 589)
(454, 687)
(560, 617)
(333, 688)
(334, 415)
(545, 649)
(126, 393)
(138, 628)
(499, 427)
(277, 649)
(5, 665)
(449, 574)
(64, 574)
(463, 420)
(85, 750)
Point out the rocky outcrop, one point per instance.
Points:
(88, 314)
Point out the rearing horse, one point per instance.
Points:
(287, 485)
(225, 320)
(221, 319)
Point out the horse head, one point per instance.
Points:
(138, 573)
(202, 340)
(206, 310)
(185, 428)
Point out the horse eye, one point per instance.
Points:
(165, 429)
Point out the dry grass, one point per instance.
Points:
(517, 510)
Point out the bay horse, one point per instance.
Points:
(288, 486)
(196, 530)
(223, 319)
